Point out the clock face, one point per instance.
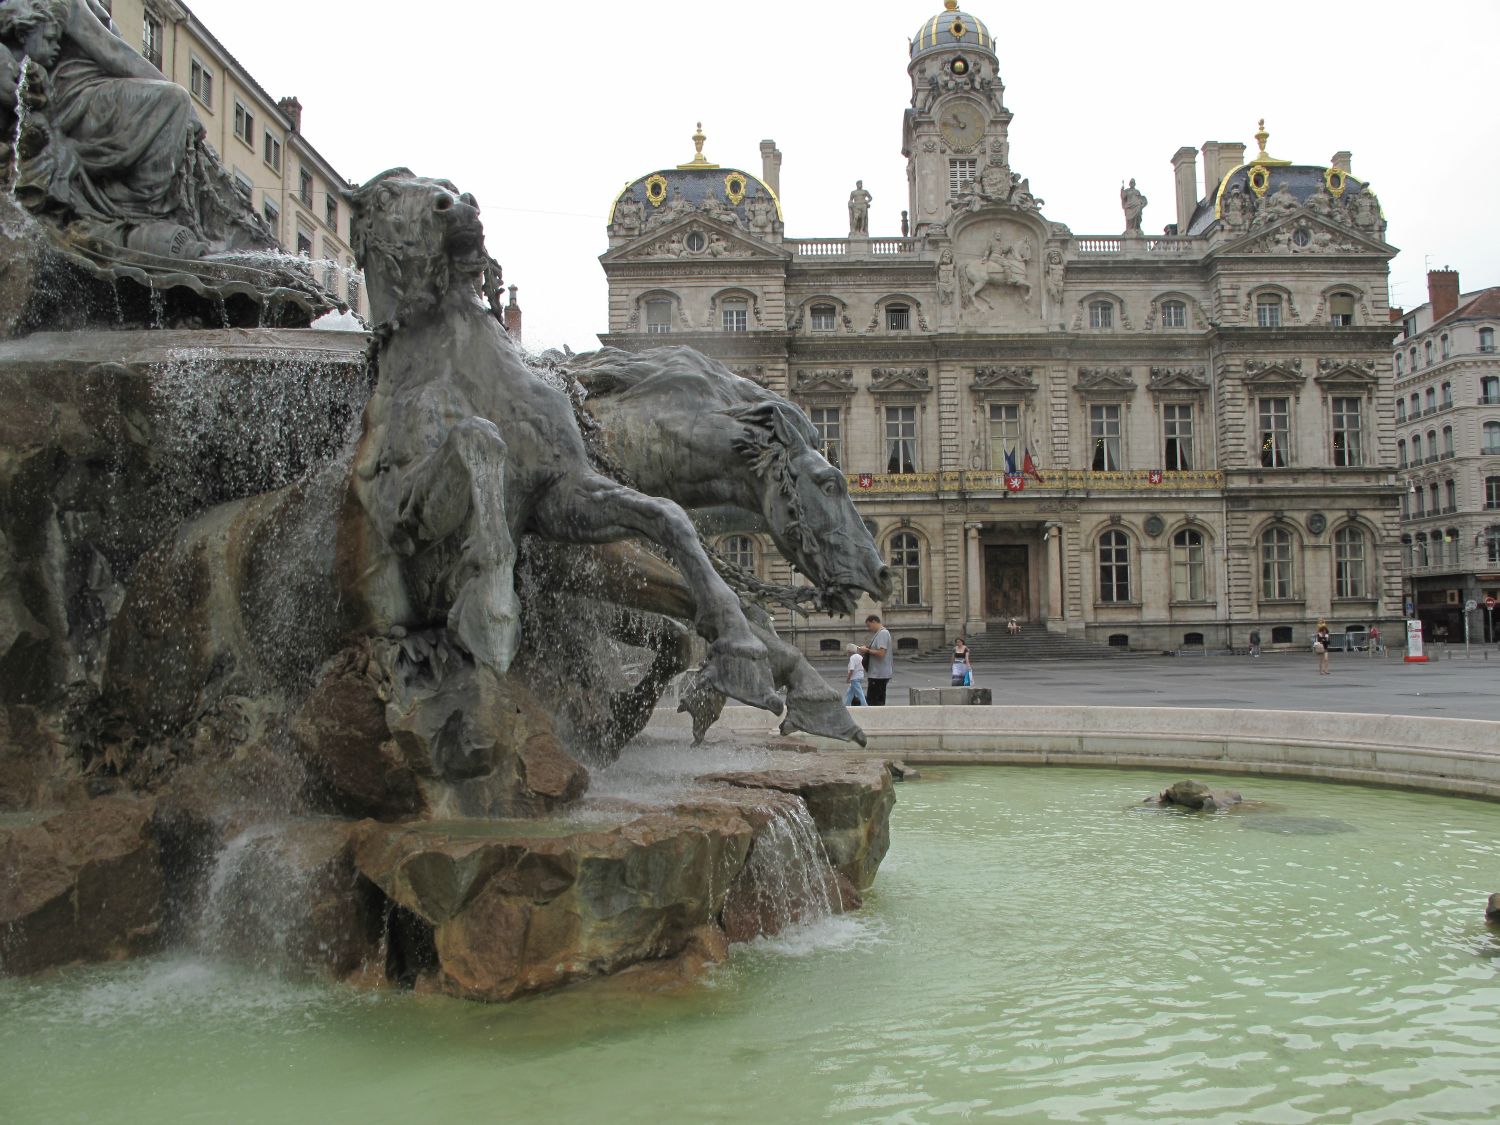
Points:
(962, 124)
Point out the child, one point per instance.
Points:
(854, 690)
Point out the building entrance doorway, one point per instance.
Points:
(1007, 583)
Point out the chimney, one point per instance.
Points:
(770, 166)
(1397, 314)
(1231, 156)
(513, 317)
(1211, 175)
(1341, 160)
(1185, 165)
(293, 110)
(1442, 291)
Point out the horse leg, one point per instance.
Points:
(459, 489)
(594, 509)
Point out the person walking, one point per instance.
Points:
(1254, 642)
(1321, 639)
(963, 668)
(882, 665)
(854, 681)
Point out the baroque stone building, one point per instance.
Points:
(1152, 441)
(1448, 453)
(258, 137)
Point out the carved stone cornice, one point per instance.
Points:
(1347, 374)
(1003, 380)
(1275, 374)
(899, 380)
(1178, 381)
(1105, 382)
(824, 381)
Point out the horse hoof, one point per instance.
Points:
(742, 677)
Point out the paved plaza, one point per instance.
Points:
(1449, 687)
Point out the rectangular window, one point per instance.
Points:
(827, 421)
(331, 212)
(1114, 567)
(1189, 567)
(961, 174)
(1489, 390)
(824, 318)
(304, 243)
(1276, 565)
(1104, 432)
(1268, 312)
(1275, 433)
(271, 153)
(1174, 315)
(1101, 315)
(1349, 563)
(305, 186)
(900, 439)
(244, 123)
(201, 83)
(1005, 435)
(244, 183)
(897, 318)
(1492, 492)
(272, 214)
(735, 316)
(1348, 448)
(151, 39)
(1341, 310)
(658, 317)
(1177, 430)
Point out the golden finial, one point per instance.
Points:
(951, 5)
(1264, 157)
(699, 160)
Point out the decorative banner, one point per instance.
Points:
(1153, 476)
(1015, 482)
(866, 480)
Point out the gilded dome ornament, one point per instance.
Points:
(1335, 180)
(734, 188)
(698, 160)
(656, 189)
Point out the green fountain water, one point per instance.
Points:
(1037, 948)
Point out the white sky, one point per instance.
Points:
(544, 111)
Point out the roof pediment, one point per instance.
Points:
(898, 380)
(1104, 381)
(1178, 380)
(1018, 379)
(1274, 373)
(676, 241)
(1303, 232)
(1358, 373)
(811, 381)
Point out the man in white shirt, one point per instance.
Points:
(854, 690)
(882, 665)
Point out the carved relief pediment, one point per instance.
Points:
(1105, 382)
(1351, 374)
(993, 379)
(1178, 381)
(827, 381)
(898, 380)
(1274, 373)
(695, 237)
(1305, 233)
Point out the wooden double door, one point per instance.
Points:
(1007, 582)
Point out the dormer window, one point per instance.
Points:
(824, 318)
(898, 318)
(1268, 311)
(1101, 314)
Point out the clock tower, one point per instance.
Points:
(957, 125)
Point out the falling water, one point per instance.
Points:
(787, 879)
(23, 83)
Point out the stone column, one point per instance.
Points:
(974, 621)
(1053, 533)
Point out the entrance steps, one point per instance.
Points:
(1033, 642)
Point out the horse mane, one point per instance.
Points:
(615, 373)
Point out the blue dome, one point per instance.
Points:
(949, 30)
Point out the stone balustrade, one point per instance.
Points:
(1053, 480)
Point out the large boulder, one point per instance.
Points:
(517, 913)
(1194, 795)
(83, 885)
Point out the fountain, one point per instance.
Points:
(280, 604)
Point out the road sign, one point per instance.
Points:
(1470, 606)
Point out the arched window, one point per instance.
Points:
(1486, 339)
(906, 568)
(1400, 409)
(1446, 348)
(1189, 568)
(1447, 395)
(740, 551)
(1114, 567)
(1452, 538)
(1492, 544)
(1101, 314)
(1431, 399)
(1427, 352)
(1450, 495)
(1173, 314)
(1412, 355)
(1408, 558)
(1416, 449)
(1268, 310)
(1432, 491)
(1400, 364)
(1489, 390)
(1416, 405)
(1341, 310)
(1277, 577)
(1447, 441)
(1492, 492)
(1432, 445)
(823, 318)
(1423, 557)
(1418, 501)
(1491, 443)
(1401, 453)
(1349, 562)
